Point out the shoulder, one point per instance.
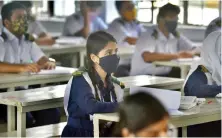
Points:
(74, 17)
(117, 21)
(199, 73)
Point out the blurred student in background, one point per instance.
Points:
(141, 115)
(85, 21)
(126, 29)
(164, 43)
(35, 27)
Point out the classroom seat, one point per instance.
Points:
(54, 130)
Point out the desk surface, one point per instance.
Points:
(197, 115)
(56, 93)
(14, 80)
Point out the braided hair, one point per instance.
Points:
(95, 43)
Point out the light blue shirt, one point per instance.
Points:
(121, 29)
(75, 22)
(18, 51)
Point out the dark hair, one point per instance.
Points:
(166, 9)
(119, 4)
(93, 4)
(137, 111)
(26, 4)
(95, 43)
(7, 10)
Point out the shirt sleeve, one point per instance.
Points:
(197, 86)
(184, 44)
(2, 52)
(146, 43)
(118, 31)
(101, 24)
(36, 52)
(82, 95)
(71, 26)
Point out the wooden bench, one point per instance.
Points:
(42, 131)
(52, 97)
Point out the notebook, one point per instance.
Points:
(188, 102)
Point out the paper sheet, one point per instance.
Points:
(57, 70)
(169, 99)
(71, 40)
(188, 59)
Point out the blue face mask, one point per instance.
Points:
(109, 63)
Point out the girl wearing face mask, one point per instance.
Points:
(91, 89)
(141, 115)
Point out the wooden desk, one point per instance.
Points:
(197, 115)
(183, 65)
(123, 52)
(65, 49)
(11, 81)
(52, 97)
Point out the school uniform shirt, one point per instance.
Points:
(15, 51)
(36, 28)
(121, 29)
(156, 42)
(80, 104)
(75, 22)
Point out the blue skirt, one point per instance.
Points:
(70, 131)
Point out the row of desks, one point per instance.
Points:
(197, 115)
(125, 52)
(51, 97)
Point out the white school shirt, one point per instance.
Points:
(75, 22)
(121, 29)
(35, 28)
(147, 42)
(15, 51)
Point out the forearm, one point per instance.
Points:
(151, 57)
(86, 29)
(10, 68)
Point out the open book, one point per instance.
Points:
(188, 102)
(57, 70)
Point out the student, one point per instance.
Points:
(85, 21)
(35, 27)
(141, 115)
(18, 53)
(91, 90)
(204, 79)
(126, 29)
(163, 44)
(213, 26)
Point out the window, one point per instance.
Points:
(145, 12)
(64, 7)
(202, 12)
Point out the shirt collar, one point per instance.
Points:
(10, 36)
(161, 36)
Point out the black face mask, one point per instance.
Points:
(171, 26)
(109, 63)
